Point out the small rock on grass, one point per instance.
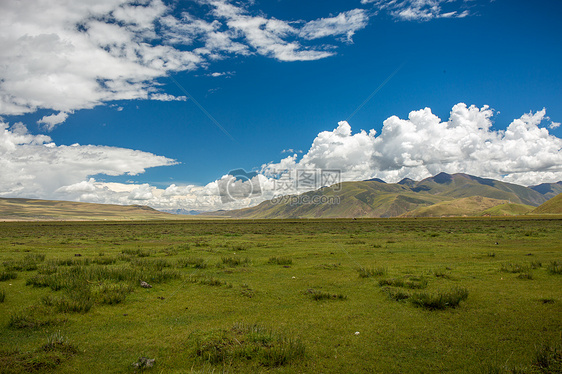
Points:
(144, 363)
(145, 285)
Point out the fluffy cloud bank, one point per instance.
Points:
(418, 147)
(34, 166)
(424, 145)
(67, 55)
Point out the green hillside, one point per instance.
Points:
(508, 209)
(552, 206)
(466, 206)
(350, 199)
(374, 198)
(30, 209)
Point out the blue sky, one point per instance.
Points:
(278, 77)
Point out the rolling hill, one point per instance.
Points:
(552, 206)
(470, 206)
(30, 209)
(375, 198)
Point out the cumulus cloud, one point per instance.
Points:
(34, 166)
(54, 119)
(67, 55)
(421, 10)
(417, 147)
(424, 145)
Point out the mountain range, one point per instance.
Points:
(441, 195)
(15, 209)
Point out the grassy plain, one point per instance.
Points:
(463, 295)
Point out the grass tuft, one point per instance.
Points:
(396, 294)
(111, 294)
(197, 263)
(319, 295)
(248, 343)
(439, 300)
(57, 342)
(525, 276)
(8, 275)
(548, 358)
(555, 267)
(32, 318)
(514, 268)
(235, 261)
(28, 263)
(367, 272)
(280, 261)
(412, 283)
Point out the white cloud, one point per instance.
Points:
(54, 119)
(291, 150)
(417, 147)
(166, 97)
(346, 23)
(267, 36)
(221, 74)
(67, 55)
(423, 145)
(34, 166)
(421, 10)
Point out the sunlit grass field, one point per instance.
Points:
(315, 296)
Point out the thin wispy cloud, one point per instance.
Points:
(421, 10)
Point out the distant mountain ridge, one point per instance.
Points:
(15, 209)
(549, 190)
(376, 198)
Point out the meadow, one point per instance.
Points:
(459, 295)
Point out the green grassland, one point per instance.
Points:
(459, 295)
